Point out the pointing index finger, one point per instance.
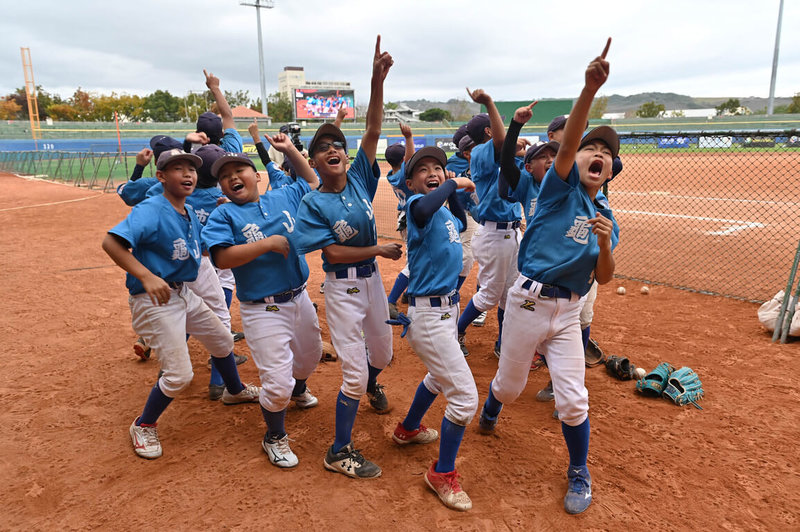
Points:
(378, 46)
(532, 104)
(605, 50)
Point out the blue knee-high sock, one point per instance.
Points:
(577, 439)
(216, 378)
(372, 377)
(275, 423)
(461, 280)
(492, 406)
(230, 375)
(449, 442)
(400, 285)
(299, 387)
(346, 410)
(501, 314)
(156, 403)
(585, 336)
(423, 399)
(228, 297)
(467, 316)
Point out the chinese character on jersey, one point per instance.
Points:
(202, 215)
(252, 233)
(579, 232)
(451, 231)
(180, 251)
(344, 231)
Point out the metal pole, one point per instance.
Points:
(261, 60)
(771, 101)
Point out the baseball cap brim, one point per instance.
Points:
(605, 134)
(533, 151)
(329, 130)
(230, 158)
(427, 151)
(170, 156)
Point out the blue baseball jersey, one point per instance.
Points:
(457, 164)
(434, 252)
(231, 141)
(526, 193)
(203, 201)
(135, 192)
(274, 214)
(345, 218)
(166, 242)
(398, 182)
(559, 246)
(485, 171)
(278, 178)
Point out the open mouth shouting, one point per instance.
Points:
(432, 184)
(596, 169)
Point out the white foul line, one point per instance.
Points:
(704, 198)
(46, 204)
(736, 225)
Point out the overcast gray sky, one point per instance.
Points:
(514, 49)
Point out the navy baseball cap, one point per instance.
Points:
(605, 134)
(394, 154)
(460, 133)
(211, 125)
(284, 129)
(465, 143)
(557, 123)
(326, 129)
(209, 154)
(230, 158)
(476, 126)
(177, 154)
(535, 149)
(161, 143)
(427, 151)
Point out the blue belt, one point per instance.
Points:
(361, 271)
(550, 290)
(504, 225)
(435, 301)
(283, 297)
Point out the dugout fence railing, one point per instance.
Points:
(712, 212)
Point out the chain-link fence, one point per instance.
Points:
(717, 213)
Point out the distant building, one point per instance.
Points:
(294, 77)
(403, 112)
(244, 115)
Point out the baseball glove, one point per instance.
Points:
(684, 387)
(654, 382)
(328, 353)
(619, 367)
(593, 355)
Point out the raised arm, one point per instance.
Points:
(283, 143)
(340, 114)
(495, 121)
(509, 172)
(405, 129)
(212, 82)
(596, 75)
(381, 63)
(263, 153)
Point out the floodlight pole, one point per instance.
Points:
(259, 5)
(771, 100)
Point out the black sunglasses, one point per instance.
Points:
(325, 146)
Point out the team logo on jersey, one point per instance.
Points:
(353, 290)
(532, 207)
(370, 211)
(290, 226)
(202, 215)
(529, 305)
(180, 250)
(344, 231)
(579, 232)
(445, 316)
(452, 233)
(252, 233)
(272, 308)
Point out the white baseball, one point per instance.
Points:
(621, 290)
(639, 373)
(645, 290)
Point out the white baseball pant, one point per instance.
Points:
(587, 310)
(164, 328)
(496, 252)
(433, 335)
(208, 288)
(552, 327)
(353, 305)
(285, 342)
(467, 257)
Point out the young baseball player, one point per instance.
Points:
(434, 252)
(339, 219)
(496, 242)
(569, 244)
(163, 237)
(219, 130)
(395, 155)
(254, 236)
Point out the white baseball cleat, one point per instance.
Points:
(145, 440)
